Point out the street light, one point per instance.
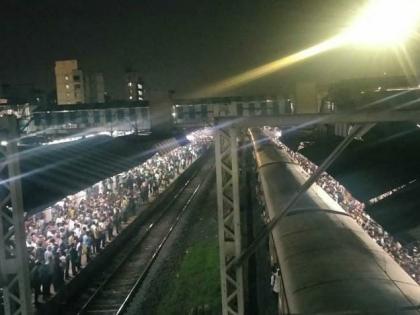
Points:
(384, 23)
(380, 23)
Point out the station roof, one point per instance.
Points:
(53, 172)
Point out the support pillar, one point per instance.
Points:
(229, 223)
(14, 271)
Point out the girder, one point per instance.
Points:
(14, 272)
(229, 222)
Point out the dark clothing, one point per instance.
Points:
(74, 259)
(46, 276)
(57, 276)
(39, 254)
(36, 281)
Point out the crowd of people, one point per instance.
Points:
(62, 239)
(407, 256)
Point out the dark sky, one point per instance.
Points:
(177, 44)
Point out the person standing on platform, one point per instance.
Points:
(36, 280)
(74, 259)
(45, 275)
(57, 274)
(275, 280)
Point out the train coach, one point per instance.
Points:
(328, 263)
(102, 117)
(192, 111)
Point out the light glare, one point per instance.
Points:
(385, 22)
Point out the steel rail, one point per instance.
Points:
(146, 271)
(132, 251)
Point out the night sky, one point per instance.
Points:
(179, 44)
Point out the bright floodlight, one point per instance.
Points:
(385, 22)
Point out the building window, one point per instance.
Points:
(130, 97)
(77, 86)
(76, 78)
(67, 86)
(139, 86)
(140, 98)
(140, 92)
(66, 77)
(130, 83)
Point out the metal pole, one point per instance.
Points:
(229, 224)
(14, 271)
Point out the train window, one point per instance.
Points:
(240, 109)
(47, 119)
(191, 112)
(54, 118)
(180, 112)
(73, 117)
(251, 108)
(108, 115)
(276, 111)
(85, 117)
(143, 112)
(264, 108)
(223, 110)
(96, 117)
(204, 111)
(60, 118)
(120, 114)
(132, 113)
(286, 107)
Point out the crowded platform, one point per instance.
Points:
(407, 256)
(65, 237)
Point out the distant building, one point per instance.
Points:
(75, 86)
(21, 94)
(3, 97)
(134, 88)
(69, 82)
(94, 88)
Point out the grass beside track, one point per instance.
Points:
(196, 282)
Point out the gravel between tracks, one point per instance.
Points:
(198, 225)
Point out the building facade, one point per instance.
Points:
(75, 86)
(69, 82)
(134, 87)
(94, 88)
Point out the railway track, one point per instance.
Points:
(112, 290)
